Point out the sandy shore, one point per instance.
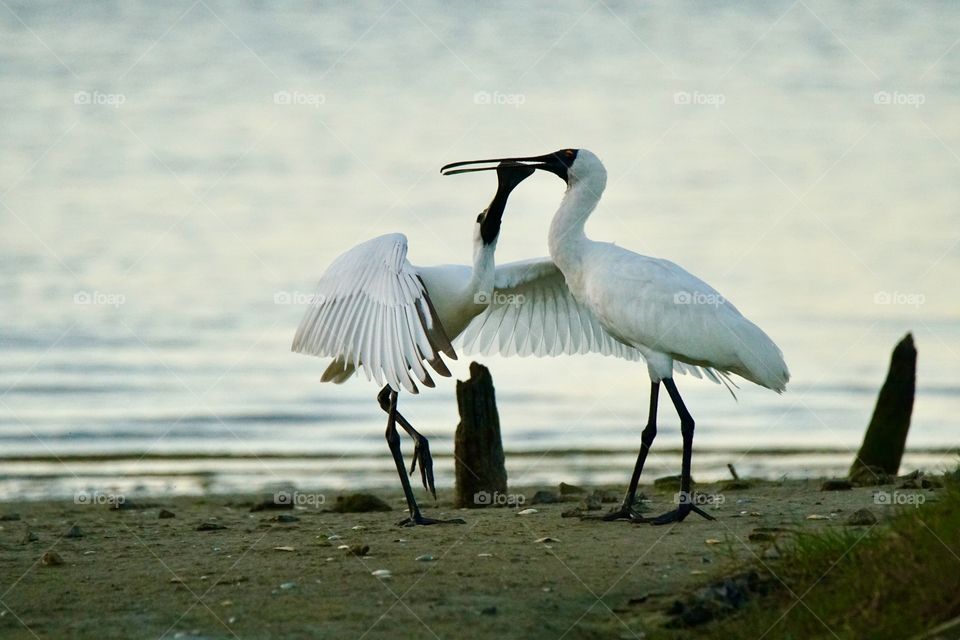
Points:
(133, 574)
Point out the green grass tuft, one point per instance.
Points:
(892, 580)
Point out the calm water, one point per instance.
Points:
(175, 176)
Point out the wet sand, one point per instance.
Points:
(133, 574)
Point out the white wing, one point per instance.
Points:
(534, 313)
(372, 310)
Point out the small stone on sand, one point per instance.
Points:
(285, 518)
(73, 532)
(862, 518)
(546, 540)
(381, 573)
(51, 559)
(527, 512)
(164, 514)
(424, 558)
(836, 484)
(359, 550)
(29, 536)
(284, 549)
(570, 489)
(210, 526)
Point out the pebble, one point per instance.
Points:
(284, 548)
(210, 526)
(574, 512)
(425, 558)
(358, 527)
(488, 611)
(287, 585)
(382, 574)
(570, 489)
(285, 518)
(177, 580)
(545, 540)
(73, 532)
(333, 537)
(712, 541)
(165, 514)
(484, 555)
(527, 512)
(836, 484)
(593, 502)
(30, 536)
(861, 518)
(817, 516)
(359, 550)
(771, 553)
(51, 559)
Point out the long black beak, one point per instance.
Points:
(551, 162)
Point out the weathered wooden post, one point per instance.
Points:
(480, 473)
(886, 436)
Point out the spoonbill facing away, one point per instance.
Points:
(676, 321)
(375, 310)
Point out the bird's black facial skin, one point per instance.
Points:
(558, 163)
(509, 175)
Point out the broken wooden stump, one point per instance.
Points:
(883, 445)
(481, 477)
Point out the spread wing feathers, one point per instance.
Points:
(371, 310)
(534, 313)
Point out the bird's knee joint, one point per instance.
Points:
(649, 432)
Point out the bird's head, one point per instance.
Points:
(570, 165)
(509, 175)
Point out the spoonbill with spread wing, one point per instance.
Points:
(374, 310)
(676, 321)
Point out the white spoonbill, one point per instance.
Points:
(674, 319)
(375, 310)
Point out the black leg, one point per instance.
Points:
(685, 505)
(393, 441)
(421, 447)
(625, 512)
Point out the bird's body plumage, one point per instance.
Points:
(649, 306)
